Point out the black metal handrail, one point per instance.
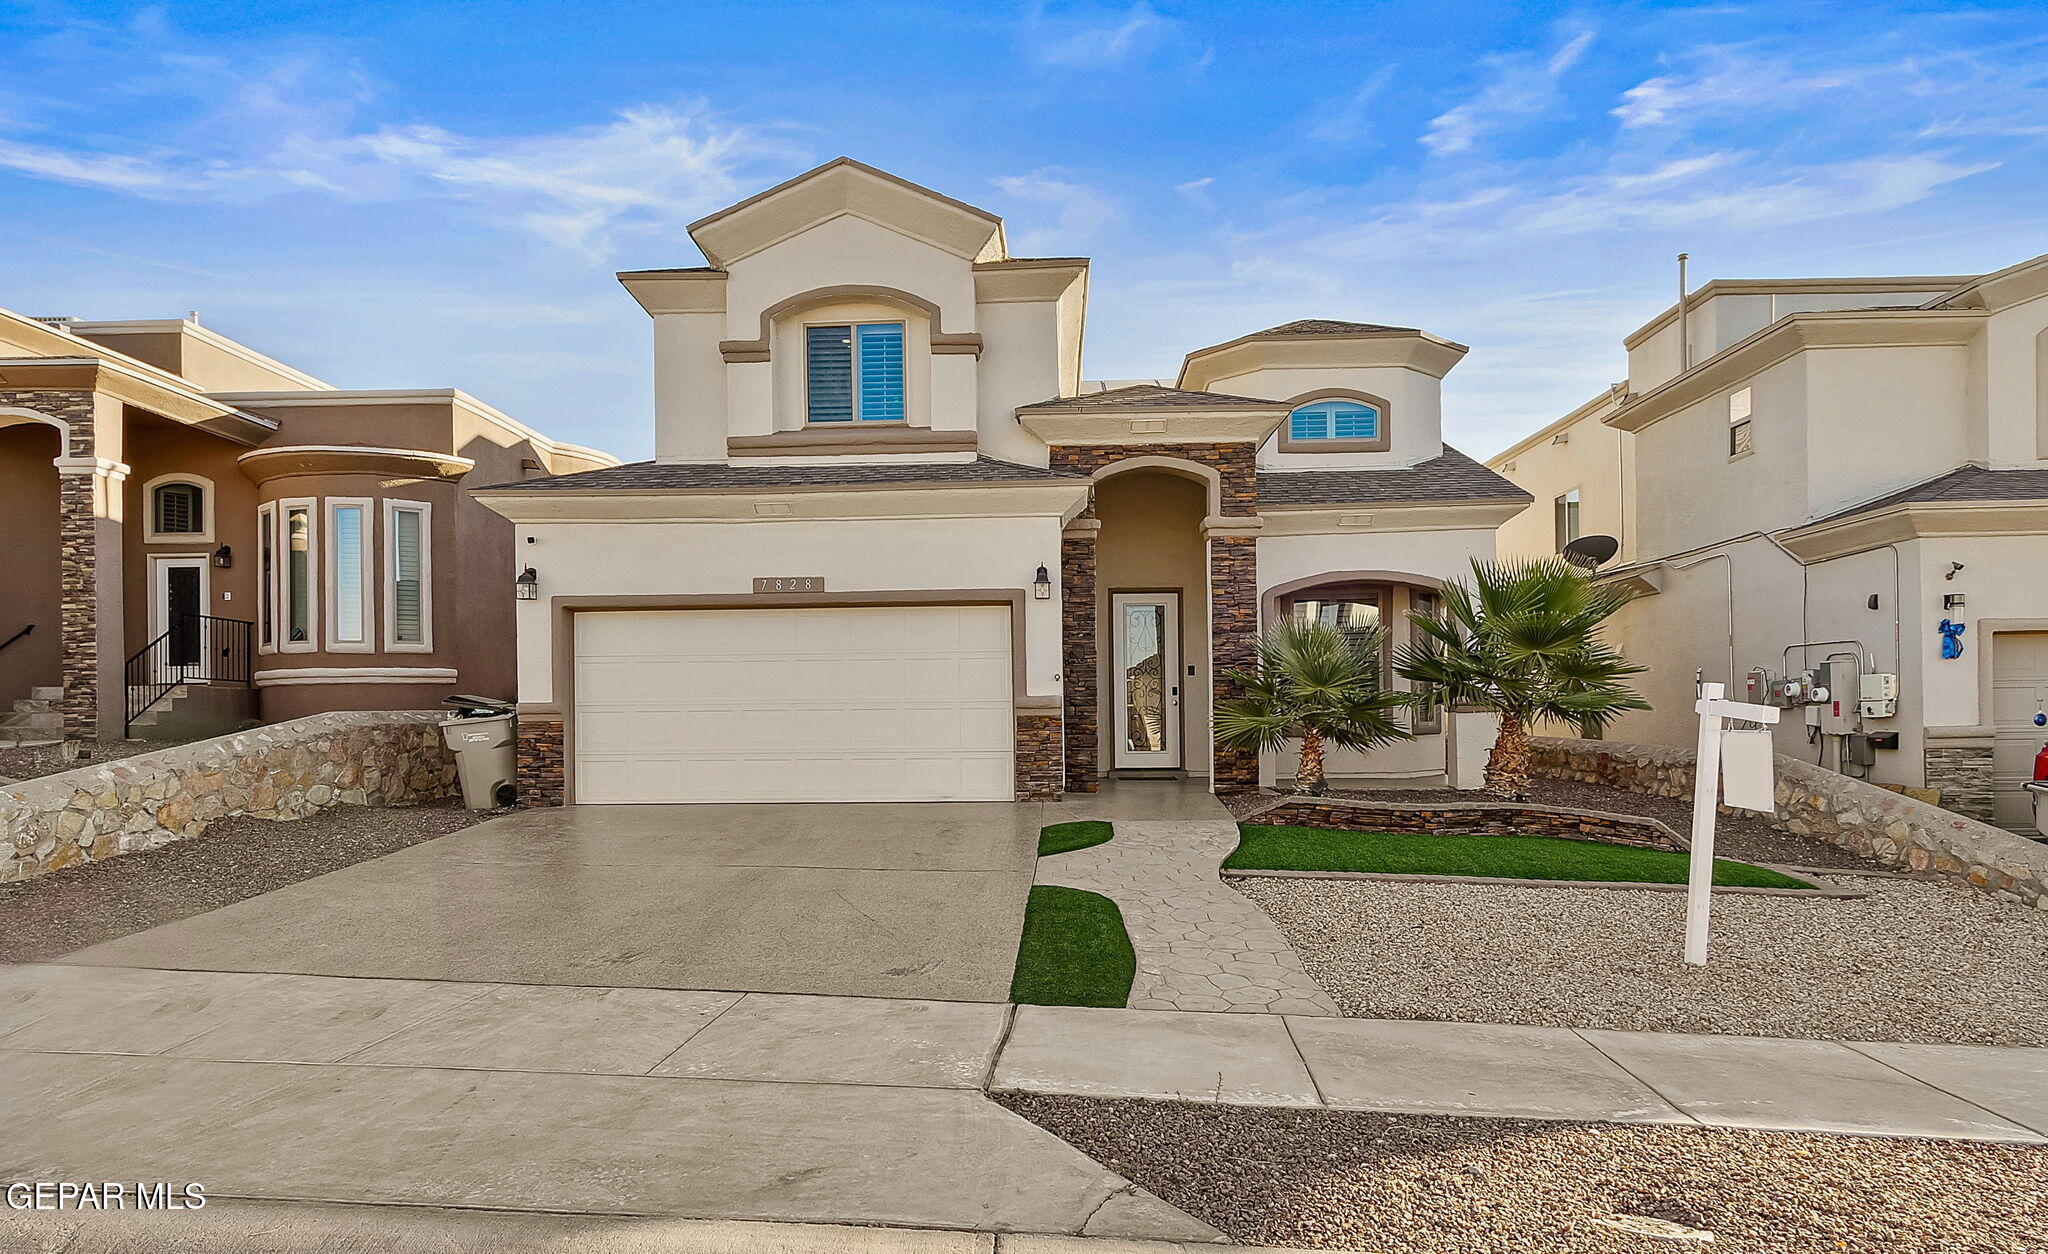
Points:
(194, 649)
(17, 635)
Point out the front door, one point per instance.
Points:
(176, 603)
(1145, 658)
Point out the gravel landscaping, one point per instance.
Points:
(1422, 1184)
(1911, 961)
(19, 762)
(236, 858)
(1743, 836)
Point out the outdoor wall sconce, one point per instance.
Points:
(527, 586)
(1041, 585)
(224, 557)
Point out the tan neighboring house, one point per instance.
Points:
(198, 534)
(892, 546)
(1808, 472)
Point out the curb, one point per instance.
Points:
(1235, 873)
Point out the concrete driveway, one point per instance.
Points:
(917, 901)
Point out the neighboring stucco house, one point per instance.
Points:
(195, 527)
(1846, 462)
(893, 547)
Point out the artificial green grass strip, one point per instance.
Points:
(1262, 848)
(1075, 951)
(1067, 837)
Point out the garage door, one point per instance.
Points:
(2019, 689)
(898, 703)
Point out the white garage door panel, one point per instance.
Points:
(908, 703)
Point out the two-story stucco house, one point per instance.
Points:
(892, 547)
(197, 534)
(1811, 470)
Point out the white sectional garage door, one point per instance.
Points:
(2019, 689)
(895, 703)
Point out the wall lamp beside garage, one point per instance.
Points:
(1041, 585)
(527, 586)
(224, 557)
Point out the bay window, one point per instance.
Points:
(348, 575)
(408, 588)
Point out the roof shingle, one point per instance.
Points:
(700, 477)
(1963, 484)
(1450, 477)
(1323, 326)
(1152, 396)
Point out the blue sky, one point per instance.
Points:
(416, 195)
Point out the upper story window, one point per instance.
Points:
(1566, 511)
(1352, 423)
(1741, 435)
(854, 372)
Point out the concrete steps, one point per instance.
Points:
(33, 719)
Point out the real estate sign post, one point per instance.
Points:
(1699, 882)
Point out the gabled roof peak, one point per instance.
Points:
(844, 186)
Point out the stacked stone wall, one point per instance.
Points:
(282, 771)
(1470, 819)
(1887, 827)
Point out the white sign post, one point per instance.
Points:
(1699, 881)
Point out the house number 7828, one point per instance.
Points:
(790, 583)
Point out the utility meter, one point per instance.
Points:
(1880, 696)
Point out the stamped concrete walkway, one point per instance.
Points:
(1201, 945)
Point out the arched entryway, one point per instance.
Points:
(1152, 616)
(30, 560)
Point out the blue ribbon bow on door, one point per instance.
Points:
(1951, 639)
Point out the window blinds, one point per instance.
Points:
(347, 609)
(406, 590)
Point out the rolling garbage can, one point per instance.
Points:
(2038, 792)
(481, 734)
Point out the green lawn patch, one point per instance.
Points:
(1262, 848)
(1067, 837)
(1075, 951)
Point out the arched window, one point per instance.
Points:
(1350, 422)
(177, 510)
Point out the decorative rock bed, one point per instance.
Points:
(1475, 818)
(282, 771)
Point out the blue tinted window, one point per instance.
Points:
(828, 369)
(1334, 420)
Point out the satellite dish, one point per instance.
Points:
(1587, 552)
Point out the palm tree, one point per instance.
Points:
(1315, 682)
(1523, 638)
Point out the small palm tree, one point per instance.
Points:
(1315, 682)
(1524, 639)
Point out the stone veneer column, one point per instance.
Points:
(541, 767)
(90, 627)
(1078, 653)
(1233, 635)
(1962, 774)
(1038, 756)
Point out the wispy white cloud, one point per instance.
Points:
(1080, 212)
(1521, 85)
(1353, 118)
(650, 166)
(1096, 39)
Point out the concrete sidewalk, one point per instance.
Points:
(1955, 1091)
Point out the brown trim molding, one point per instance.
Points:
(850, 437)
(1379, 445)
(942, 342)
(562, 611)
(1269, 600)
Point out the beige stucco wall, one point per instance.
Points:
(853, 555)
(28, 559)
(1716, 320)
(1596, 459)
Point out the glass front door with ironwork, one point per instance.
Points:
(1145, 659)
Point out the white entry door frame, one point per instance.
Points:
(1146, 680)
(177, 583)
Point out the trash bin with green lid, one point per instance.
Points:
(482, 737)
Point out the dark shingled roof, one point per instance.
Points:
(1450, 477)
(1152, 396)
(672, 476)
(1963, 484)
(1324, 326)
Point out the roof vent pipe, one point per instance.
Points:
(1684, 340)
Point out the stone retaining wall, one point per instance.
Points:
(1888, 828)
(1470, 819)
(283, 771)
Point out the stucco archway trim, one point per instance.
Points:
(1269, 599)
(942, 342)
(1378, 444)
(17, 415)
(1208, 476)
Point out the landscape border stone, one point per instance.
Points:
(1246, 873)
(282, 770)
(1469, 818)
(1889, 828)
